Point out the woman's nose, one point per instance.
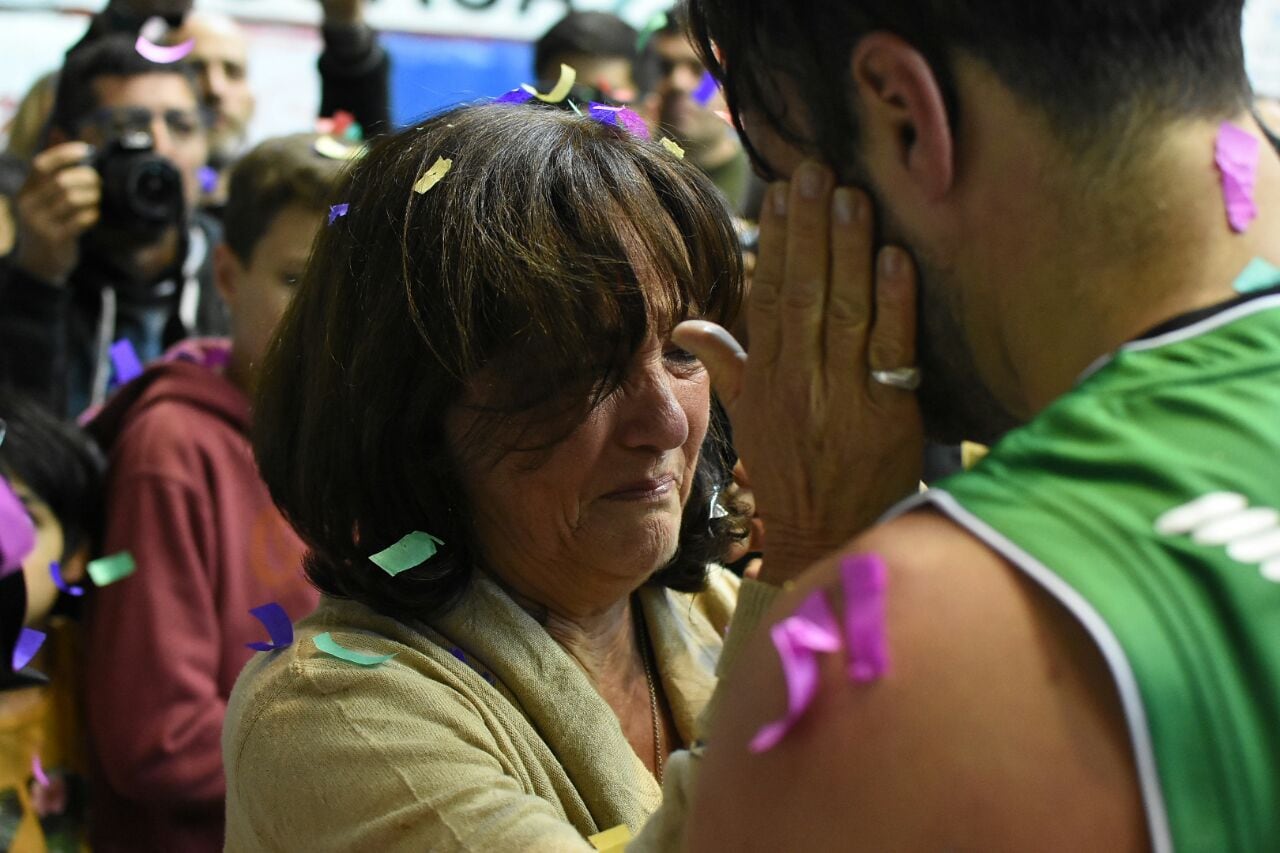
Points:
(651, 413)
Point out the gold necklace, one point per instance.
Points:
(645, 651)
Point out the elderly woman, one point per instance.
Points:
(479, 358)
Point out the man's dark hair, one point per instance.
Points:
(277, 173)
(597, 34)
(521, 263)
(58, 462)
(1092, 66)
(109, 56)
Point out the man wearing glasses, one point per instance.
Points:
(99, 260)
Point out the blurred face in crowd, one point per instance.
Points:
(163, 104)
(258, 291)
(611, 75)
(220, 57)
(682, 73)
(41, 590)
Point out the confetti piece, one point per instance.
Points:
(561, 90)
(515, 96)
(432, 176)
(1236, 155)
(865, 579)
(17, 532)
(124, 358)
(412, 550)
(612, 840)
(654, 24)
(575, 109)
(29, 642)
(707, 89)
(340, 121)
(354, 133)
(622, 117)
(458, 653)
(327, 644)
(338, 211)
(327, 146)
(672, 146)
(55, 569)
(1259, 275)
(107, 570)
(799, 639)
(208, 177)
(37, 770)
(155, 28)
(276, 621)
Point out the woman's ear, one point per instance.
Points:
(903, 117)
(227, 272)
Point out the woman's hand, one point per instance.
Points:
(828, 448)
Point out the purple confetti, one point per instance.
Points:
(515, 96)
(338, 211)
(706, 90)
(208, 177)
(55, 569)
(29, 642)
(865, 579)
(799, 640)
(17, 533)
(1236, 154)
(621, 116)
(458, 653)
(37, 770)
(277, 623)
(125, 360)
(161, 54)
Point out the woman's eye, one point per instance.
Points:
(675, 355)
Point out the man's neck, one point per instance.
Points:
(1130, 263)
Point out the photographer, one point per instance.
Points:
(108, 245)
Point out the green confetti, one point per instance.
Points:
(413, 550)
(327, 644)
(656, 23)
(574, 107)
(355, 133)
(1259, 275)
(108, 570)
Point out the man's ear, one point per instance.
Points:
(227, 272)
(903, 116)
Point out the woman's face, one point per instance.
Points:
(601, 510)
(41, 591)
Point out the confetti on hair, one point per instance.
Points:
(620, 116)
(338, 211)
(327, 644)
(515, 96)
(672, 146)
(107, 570)
(568, 76)
(124, 358)
(146, 46)
(37, 770)
(55, 571)
(1236, 154)
(799, 639)
(17, 532)
(327, 146)
(865, 578)
(575, 109)
(707, 89)
(29, 642)
(650, 29)
(208, 177)
(433, 176)
(278, 625)
(412, 550)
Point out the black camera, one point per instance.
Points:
(141, 191)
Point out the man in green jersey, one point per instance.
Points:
(1085, 629)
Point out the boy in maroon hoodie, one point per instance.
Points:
(185, 499)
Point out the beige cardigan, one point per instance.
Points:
(509, 748)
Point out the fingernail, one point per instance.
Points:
(780, 192)
(891, 262)
(844, 204)
(810, 179)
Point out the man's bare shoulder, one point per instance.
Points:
(997, 726)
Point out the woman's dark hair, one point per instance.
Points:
(58, 462)
(522, 261)
(1094, 67)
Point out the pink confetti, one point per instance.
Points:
(1237, 154)
(163, 55)
(37, 770)
(17, 532)
(799, 639)
(865, 580)
(621, 116)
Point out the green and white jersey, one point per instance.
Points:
(1147, 502)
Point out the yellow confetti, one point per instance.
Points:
(670, 144)
(327, 146)
(568, 77)
(432, 176)
(611, 840)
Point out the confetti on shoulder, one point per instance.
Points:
(433, 176)
(108, 570)
(327, 644)
(568, 76)
(124, 358)
(672, 146)
(276, 621)
(412, 550)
